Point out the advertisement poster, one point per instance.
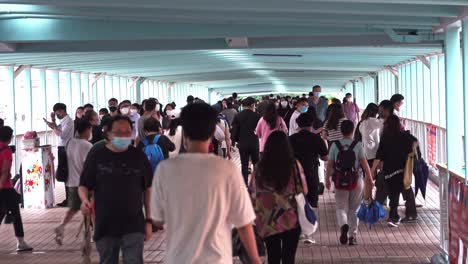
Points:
(454, 219)
(431, 144)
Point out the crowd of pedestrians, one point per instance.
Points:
(122, 166)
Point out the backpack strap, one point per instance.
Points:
(338, 145)
(144, 141)
(351, 147)
(156, 139)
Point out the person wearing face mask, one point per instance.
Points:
(351, 109)
(77, 150)
(135, 108)
(119, 175)
(64, 131)
(285, 111)
(113, 106)
(319, 103)
(301, 107)
(102, 113)
(124, 109)
(397, 102)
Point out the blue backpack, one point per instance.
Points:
(153, 151)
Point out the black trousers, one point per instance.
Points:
(312, 179)
(9, 202)
(282, 247)
(392, 188)
(248, 153)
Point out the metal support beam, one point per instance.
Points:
(20, 69)
(425, 61)
(393, 70)
(7, 47)
(465, 89)
(27, 85)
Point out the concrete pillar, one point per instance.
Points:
(454, 98)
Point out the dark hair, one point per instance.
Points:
(311, 94)
(6, 133)
(88, 106)
(277, 165)
(348, 94)
(60, 106)
(313, 112)
(126, 102)
(335, 113)
(371, 111)
(173, 125)
(150, 105)
(198, 121)
(305, 120)
(104, 125)
(387, 105)
(82, 125)
(151, 125)
(104, 110)
(88, 115)
(119, 118)
(190, 99)
(301, 100)
(248, 101)
(391, 127)
(316, 86)
(78, 108)
(335, 101)
(234, 95)
(113, 100)
(136, 105)
(271, 115)
(347, 127)
(396, 98)
(2, 122)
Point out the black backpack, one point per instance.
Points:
(346, 175)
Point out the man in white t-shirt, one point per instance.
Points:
(77, 151)
(200, 197)
(301, 107)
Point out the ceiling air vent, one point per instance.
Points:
(276, 55)
(257, 84)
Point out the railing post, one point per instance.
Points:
(465, 89)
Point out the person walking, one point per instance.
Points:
(308, 149)
(124, 110)
(150, 111)
(153, 129)
(301, 107)
(77, 152)
(217, 195)
(318, 102)
(285, 111)
(370, 128)
(351, 109)
(345, 158)
(332, 126)
(394, 147)
(9, 198)
(270, 122)
(243, 133)
(119, 176)
(278, 178)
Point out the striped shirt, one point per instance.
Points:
(334, 134)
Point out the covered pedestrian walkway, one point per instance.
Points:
(86, 52)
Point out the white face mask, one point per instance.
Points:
(133, 111)
(284, 104)
(158, 107)
(125, 110)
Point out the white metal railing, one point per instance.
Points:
(419, 130)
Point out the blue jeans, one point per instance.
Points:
(131, 245)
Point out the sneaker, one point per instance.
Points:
(409, 219)
(352, 241)
(393, 222)
(344, 234)
(59, 234)
(23, 246)
(63, 204)
(308, 240)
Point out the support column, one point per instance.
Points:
(465, 89)
(43, 86)
(138, 90)
(454, 98)
(28, 101)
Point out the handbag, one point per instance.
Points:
(408, 171)
(307, 217)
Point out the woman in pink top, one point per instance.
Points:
(270, 122)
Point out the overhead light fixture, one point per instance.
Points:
(237, 42)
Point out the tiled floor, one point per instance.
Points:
(410, 243)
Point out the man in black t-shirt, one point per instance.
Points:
(308, 148)
(119, 176)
